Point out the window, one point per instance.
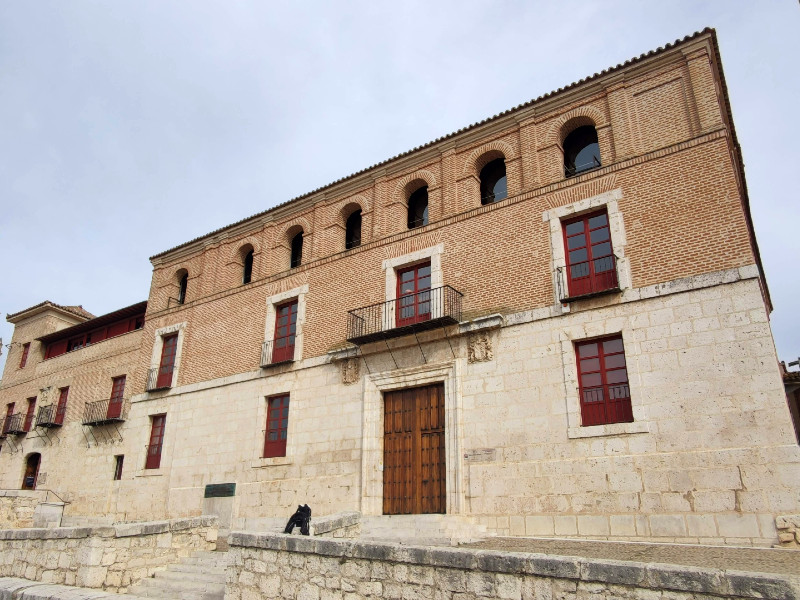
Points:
(9, 414)
(115, 402)
(297, 250)
(590, 258)
(352, 235)
(603, 378)
(30, 414)
(277, 425)
(285, 332)
(153, 460)
(25, 349)
(167, 364)
(247, 275)
(413, 294)
(183, 282)
(581, 151)
(493, 182)
(61, 409)
(118, 460)
(418, 208)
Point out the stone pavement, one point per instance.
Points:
(758, 560)
(25, 589)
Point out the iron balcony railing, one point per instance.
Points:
(276, 352)
(14, 424)
(113, 410)
(156, 380)
(47, 416)
(427, 309)
(588, 278)
(610, 403)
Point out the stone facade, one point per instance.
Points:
(109, 558)
(788, 531)
(709, 457)
(270, 566)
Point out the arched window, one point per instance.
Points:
(297, 250)
(182, 283)
(581, 151)
(493, 182)
(31, 471)
(352, 235)
(418, 208)
(247, 272)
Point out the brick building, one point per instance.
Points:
(552, 322)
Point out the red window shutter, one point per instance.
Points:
(9, 412)
(23, 361)
(591, 266)
(167, 365)
(56, 349)
(29, 415)
(118, 328)
(285, 332)
(603, 378)
(413, 295)
(61, 409)
(153, 460)
(277, 426)
(116, 400)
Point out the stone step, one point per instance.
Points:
(194, 568)
(217, 576)
(179, 584)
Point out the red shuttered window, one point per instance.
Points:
(413, 295)
(115, 403)
(277, 426)
(285, 331)
(603, 376)
(156, 441)
(30, 414)
(167, 364)
(7, 421)
(25, 349)
(61, 409)
(590, 258)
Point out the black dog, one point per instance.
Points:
(301, 518)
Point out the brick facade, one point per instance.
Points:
(692, 308)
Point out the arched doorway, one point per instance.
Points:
(31, 471)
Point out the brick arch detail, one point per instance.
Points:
(582, 115)
(235, 254)
(485, 153)
(346, 207)
(420, 175)
(284, 239)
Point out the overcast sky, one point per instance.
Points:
(127, 128)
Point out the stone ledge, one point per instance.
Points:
(608, 430)
(119, 530)
(328, 523)
(645, 575)
(12, 588)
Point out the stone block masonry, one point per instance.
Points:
(788, 531)
(274, 566)
(109, 558)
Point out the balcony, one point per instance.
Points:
(429, 309)
(48, 416)
(158, 380)
(587, 279)
(276, 354)
(103, 412)
(14, 424)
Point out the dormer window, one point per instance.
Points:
(418, 208)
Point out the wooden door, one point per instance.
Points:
(153, 460)
(114, 410)
(413, 451)
(285, 331)
(167, 365)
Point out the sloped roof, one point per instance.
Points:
(77, 311)
(129, 311)
(602, 73)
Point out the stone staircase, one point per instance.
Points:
(198, 577)
(423, 529)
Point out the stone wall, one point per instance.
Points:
(788, 531)
(111, 558)
(17, 508)
(272, 566)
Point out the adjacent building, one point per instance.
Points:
(552, 322)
